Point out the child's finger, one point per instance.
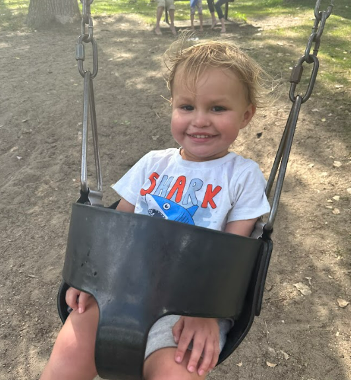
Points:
(209, 357)
(71, 298)
(184, 341)
(216, 353)
(196, 352)
(177, 329)
(82, 301)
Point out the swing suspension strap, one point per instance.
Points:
(88, 196)
(282, 157)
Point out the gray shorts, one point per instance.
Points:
(160, 334)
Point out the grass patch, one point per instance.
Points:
(13, 14)
(335, 51)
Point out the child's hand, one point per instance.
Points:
(77, 299)
(204, 333)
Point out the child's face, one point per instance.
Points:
(207, 120)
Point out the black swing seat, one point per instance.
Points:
(140, 268)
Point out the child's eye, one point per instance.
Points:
(187, 108)
(218, 109)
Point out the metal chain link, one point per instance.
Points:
(308, 57)
(86, 37)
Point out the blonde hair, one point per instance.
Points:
(195, 59)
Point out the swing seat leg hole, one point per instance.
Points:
(95, 274)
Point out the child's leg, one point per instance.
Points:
(212, 11)
(72, 357)
(192, 16)
(218, 6)
(199, 10)
(223, 30)
(171, 17)
(201, 22)
(159, 13)
(161, 365)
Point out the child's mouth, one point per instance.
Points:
(199, 136)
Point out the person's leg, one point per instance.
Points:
(218, 6)
(72, 357)
(223, 30)
(201, 19)
(199, 11)
(159, 13)
(192, 16)
(171, 17)
(161, 365)
(212, 11)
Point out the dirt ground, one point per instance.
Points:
(303, 332)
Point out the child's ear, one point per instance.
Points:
(248, 115)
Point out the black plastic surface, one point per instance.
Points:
(140, 268)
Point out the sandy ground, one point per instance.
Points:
(298, 336)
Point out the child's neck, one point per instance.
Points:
(198, 159)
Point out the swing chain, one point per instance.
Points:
(308, 57)
(86, 10)
(86, 37)
(282, 156)
(87, 20)
(88, 196)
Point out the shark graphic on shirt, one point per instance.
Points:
(164, 208)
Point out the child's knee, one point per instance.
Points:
(161, 365)
(72, 355)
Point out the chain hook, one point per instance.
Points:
(86, 10)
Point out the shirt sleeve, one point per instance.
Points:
(250, 200)
(128, 187)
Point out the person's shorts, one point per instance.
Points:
(161, 336)
(198, 5)
(168, 4)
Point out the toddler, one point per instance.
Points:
(214, 89)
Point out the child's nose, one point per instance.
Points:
(201, 119)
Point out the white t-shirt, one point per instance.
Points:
(208, 194)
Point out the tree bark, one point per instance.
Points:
(44, 12)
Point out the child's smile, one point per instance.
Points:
(207, 120)
(201, 137)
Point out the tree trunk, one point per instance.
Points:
(44, 12)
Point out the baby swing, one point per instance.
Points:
(124, 259)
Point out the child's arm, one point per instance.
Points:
(241, 227)
(125, 206)
(77, 299)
